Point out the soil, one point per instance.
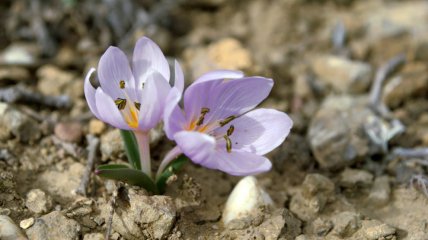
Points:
(352, 167)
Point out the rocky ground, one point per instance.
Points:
(353, 75)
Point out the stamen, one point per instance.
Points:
(122, 84)
(227, 120)
(120, 103)
(228, 143)
(137, 105)
(204, 111)
(230, 130)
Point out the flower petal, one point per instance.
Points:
(90, 93)
(108, 111)
(178, 77)
(112, 68)
(225, 98)
(239, 163)
(153, 100)
(197, 146)
(219, 74)
(173, 118)
(259, 131)
(147, 58)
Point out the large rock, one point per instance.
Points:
(54, 226)
(412, 82)
(342, 74)
(336, 133)
(15, 123)
(139, 216)
(317, 191)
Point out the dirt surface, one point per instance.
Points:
(353, 166)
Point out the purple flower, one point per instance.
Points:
(219, 129)
(132, 99)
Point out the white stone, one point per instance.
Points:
(246, 197)
(26, 223)
(8, 229)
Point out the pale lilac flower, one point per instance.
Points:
(219, 129)
(132, 99)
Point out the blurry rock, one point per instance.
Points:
(395, 18)
(412, 82)
(316, 185)
(317, 190)
(227, 53)
(343, 74)
(9, 230)
(205, 3)
(14, 122)
(245, 200)
(26, 223)
(96, 127)
(281, 224)
(320, 227)
(139, 216)
(354, 178)
(380, 192)
(374, 229)
(66, 56)
(346, 224)
(38, 201)
(69, 131)
(54, 226)
(54, 81)
(111, 145)
(62, 183)
(14, 73)
(93, 236)
(421, 51)
(18, 54)
(336, 133)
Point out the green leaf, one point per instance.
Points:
(171, 169)
(131, 176)
(131, 148)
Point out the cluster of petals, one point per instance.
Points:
(216, 127)
(219, 127)
(132, 99)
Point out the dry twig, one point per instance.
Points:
(19, 93)
(382, 74)
(93, 144)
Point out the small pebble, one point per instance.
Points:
(245, 199)
(26, 223)
(96, 127)
(69, 132)
(351, 178)
(38, 201)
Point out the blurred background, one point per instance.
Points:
(315, 50)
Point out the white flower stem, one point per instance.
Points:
(169, 157)
(143, 140)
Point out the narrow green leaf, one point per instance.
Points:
(131, 148)
(131, 176)
(171, 169)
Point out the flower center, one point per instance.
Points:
(128, 110)
(208, 128)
